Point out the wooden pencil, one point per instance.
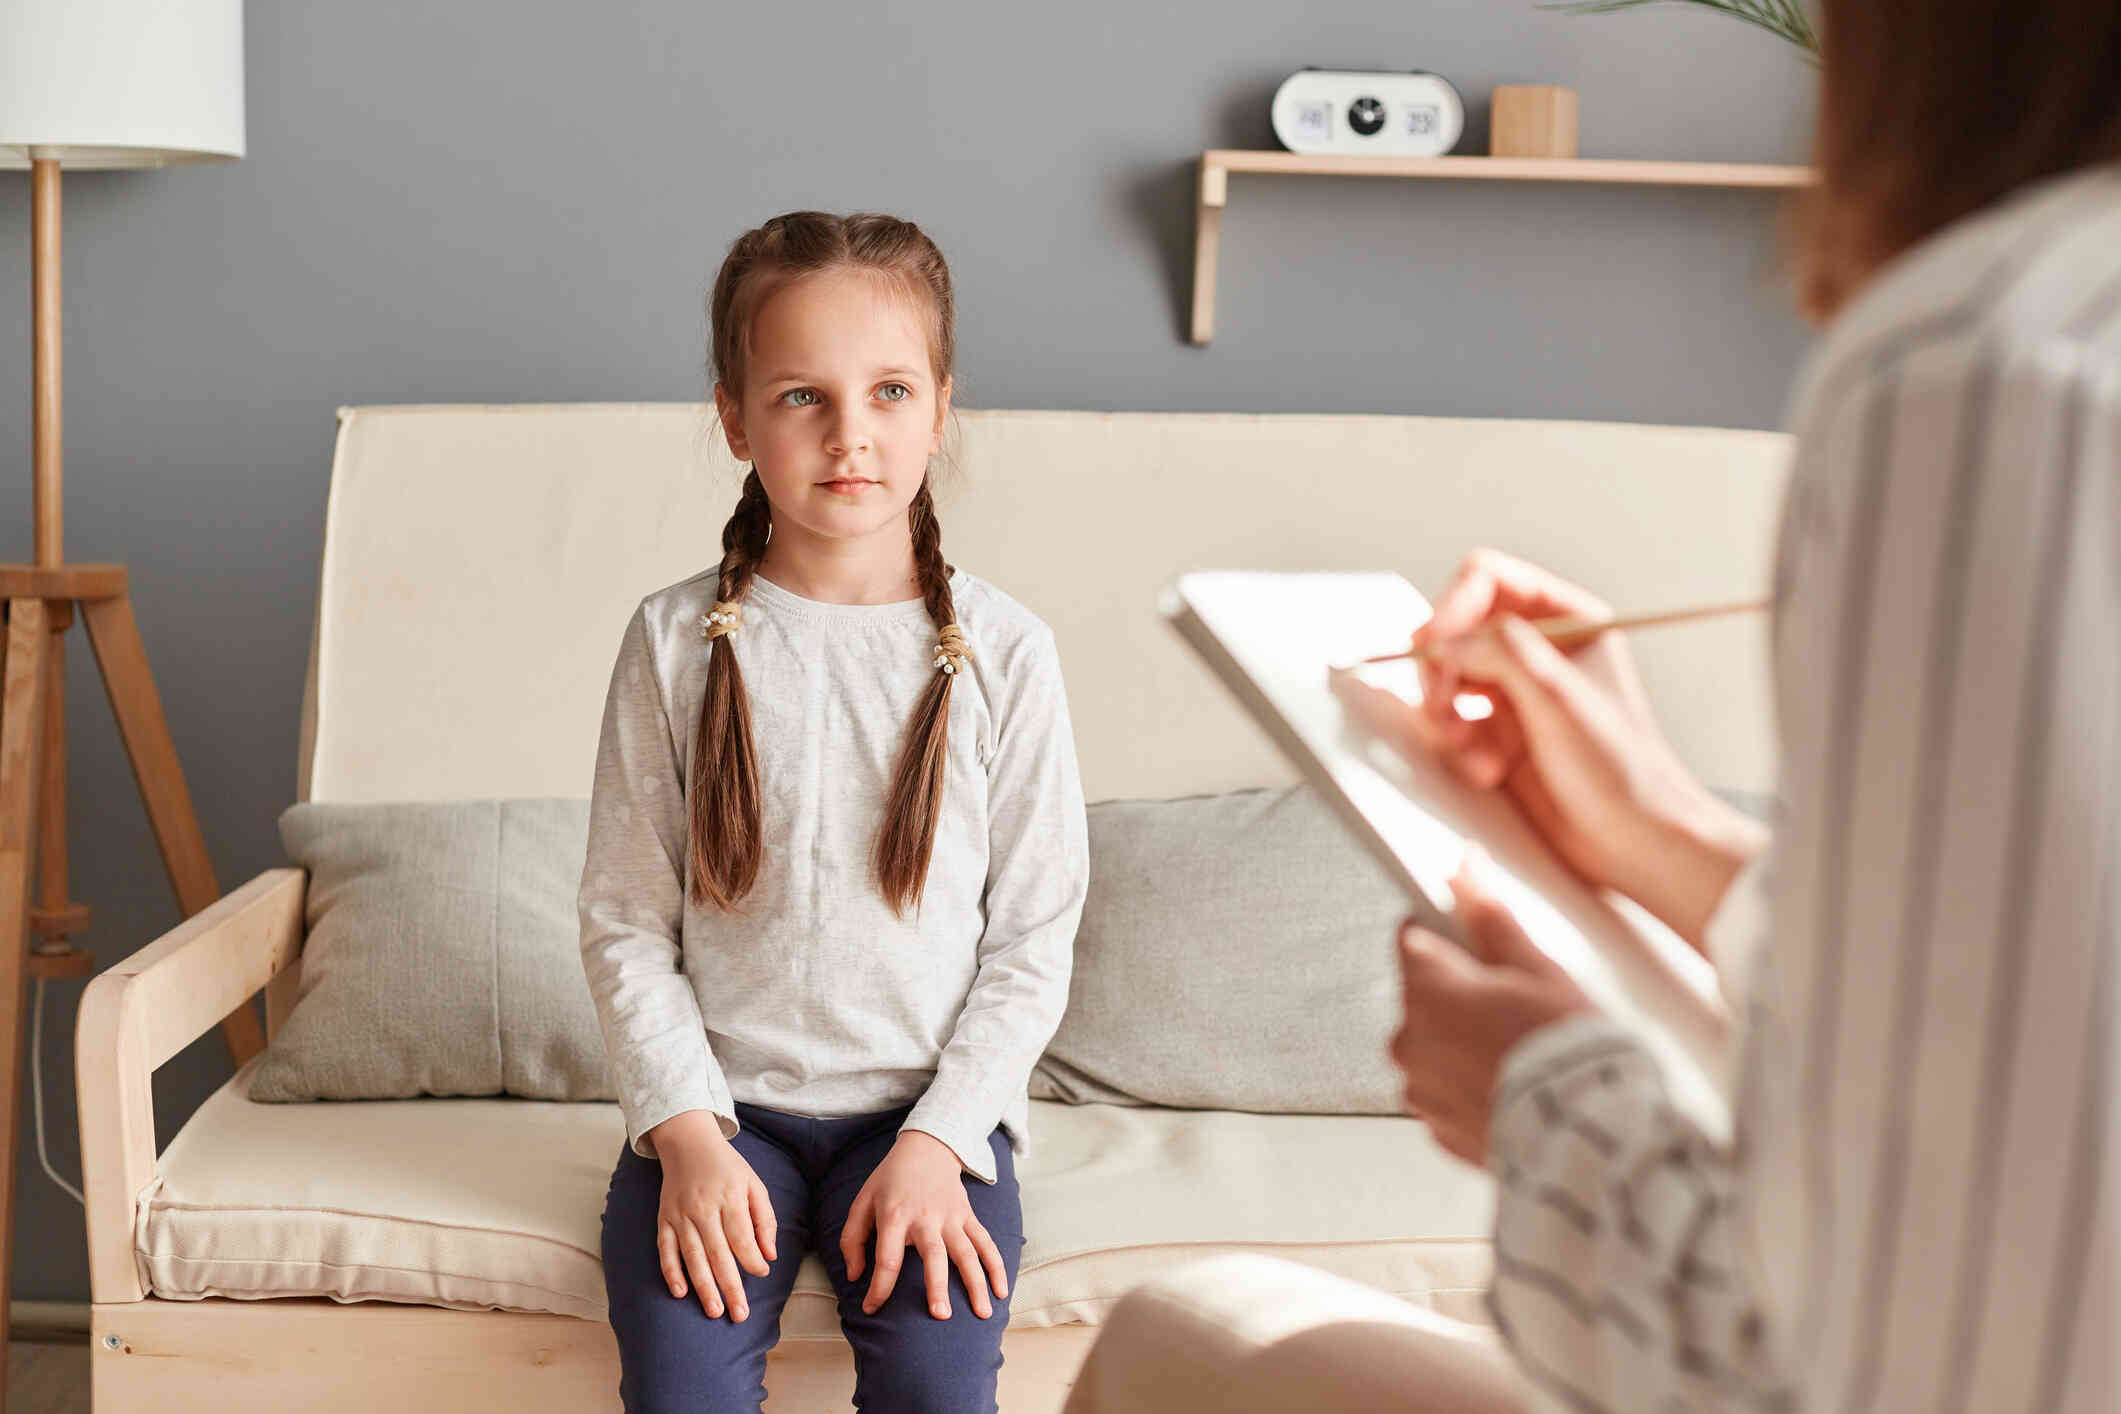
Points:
(1564, 630)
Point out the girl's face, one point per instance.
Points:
(841, 409)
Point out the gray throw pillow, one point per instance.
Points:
(443, 955)
(1236, 952)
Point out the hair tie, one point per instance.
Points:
(950, 653)
(722, 618)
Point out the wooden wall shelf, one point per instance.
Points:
(1217, 164)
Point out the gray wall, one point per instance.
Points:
(495, 201)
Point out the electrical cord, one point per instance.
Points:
(36, 1089)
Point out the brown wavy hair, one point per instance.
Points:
(1930, 111)
(726, 846)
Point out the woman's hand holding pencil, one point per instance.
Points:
(1570, 739)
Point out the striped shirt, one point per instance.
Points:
(1918, 1209)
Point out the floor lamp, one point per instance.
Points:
(88, 84)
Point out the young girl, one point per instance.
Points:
(837, 854)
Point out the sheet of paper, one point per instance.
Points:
(1273, 637)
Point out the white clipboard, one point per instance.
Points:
(1272, 638)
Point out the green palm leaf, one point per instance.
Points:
(1782, 17)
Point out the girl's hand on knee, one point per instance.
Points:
(916, 1198)
(715, 1216)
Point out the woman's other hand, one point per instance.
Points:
(715, 1215)
(1462, 1013)
(1570, 739)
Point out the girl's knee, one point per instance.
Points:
(914, 1362)
(946, 1384)
(673, 1356)
(666, 1390)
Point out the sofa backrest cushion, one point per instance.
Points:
(479, 564)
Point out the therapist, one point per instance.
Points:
(1921, 1208)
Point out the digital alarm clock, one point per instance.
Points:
(1412, 114)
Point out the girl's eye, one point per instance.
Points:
(799, 393)
(900, 396)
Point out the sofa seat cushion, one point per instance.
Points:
(485, 1203)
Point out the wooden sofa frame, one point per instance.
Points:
(315, 1354)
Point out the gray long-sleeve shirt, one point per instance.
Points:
(1920, 1210)
(816, 998)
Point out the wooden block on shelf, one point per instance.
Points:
(1532, 120)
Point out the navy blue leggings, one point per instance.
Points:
(674, 1356)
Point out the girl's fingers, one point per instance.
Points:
(855, 1235)
(666, 1253)
(935, 1266)
(743, 1245)
(702, 1270)
(966, 1258)
(890, 1252)
(991, 1257)
(725, 1269)
(763, 1222)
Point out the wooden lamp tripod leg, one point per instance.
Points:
(24, 681)
(115, 636)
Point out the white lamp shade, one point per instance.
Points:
(120, 83)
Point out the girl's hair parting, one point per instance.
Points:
(726, 847)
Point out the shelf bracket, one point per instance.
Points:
(1207, 243)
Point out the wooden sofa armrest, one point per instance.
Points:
(140, 1012)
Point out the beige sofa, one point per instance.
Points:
(477, 565)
